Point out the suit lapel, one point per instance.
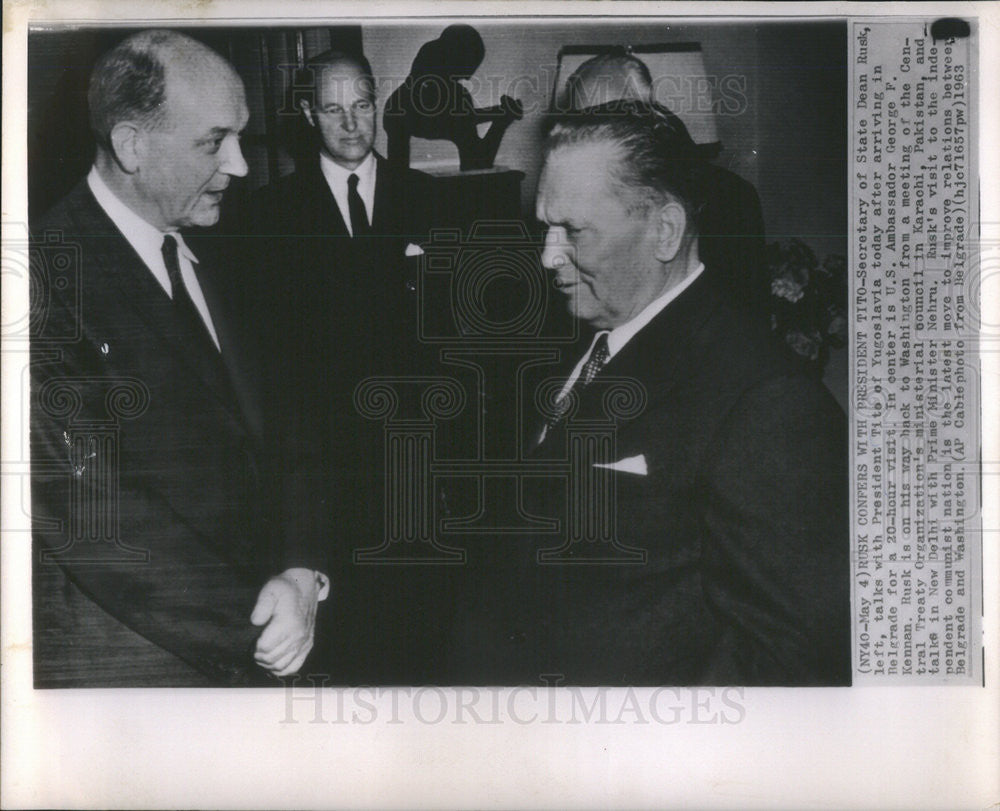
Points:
(320, 200)
(124, 269)
(236, 356)
(383, 203)
(655, 356)
(395, 217)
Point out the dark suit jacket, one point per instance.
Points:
(331, 309)
(742, 519)
(147, 495)
(338, 310)
(731, 237)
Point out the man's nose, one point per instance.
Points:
(350, 121)
(555, 254)
(233, 163)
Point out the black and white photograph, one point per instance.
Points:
(662, 500)
(448, 374)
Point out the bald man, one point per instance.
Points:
(154, 564)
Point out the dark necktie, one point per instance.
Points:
(598, 357)
(359, 217)
(187, 313)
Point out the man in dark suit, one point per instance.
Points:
(706, 524)
(342, 232)
(338, 245)
(154, 564)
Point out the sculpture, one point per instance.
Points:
(432, 103)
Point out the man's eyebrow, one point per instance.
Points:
(566, 223)
(216, 132)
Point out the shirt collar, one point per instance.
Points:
(336, 175)
(622, 334)
(146, 239)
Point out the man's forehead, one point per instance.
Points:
(343, 79)
(596, 152)
(579, 164)
(208, 100)
(215, 80)
(568, 184)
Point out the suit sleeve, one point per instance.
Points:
(776, 558)
(187, 593)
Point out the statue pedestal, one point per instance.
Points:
(462, 198)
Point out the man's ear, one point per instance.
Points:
(307, 112)
(672, 225)
(128, 146)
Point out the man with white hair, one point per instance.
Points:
(153, 561)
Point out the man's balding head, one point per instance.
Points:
(129, 83)
(167, 113)
(608, 77)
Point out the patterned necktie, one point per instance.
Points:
(359, 216)
(186, 311)
(598, 357)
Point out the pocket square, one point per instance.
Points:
(413, 250)
(631, 464)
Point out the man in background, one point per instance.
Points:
(725, 487)
(154, 564)
(337, 242)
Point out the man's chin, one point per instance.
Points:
(584, 310)
(351, 156)
(570, 294)
(204, 216)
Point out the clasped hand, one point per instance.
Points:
(286, 607)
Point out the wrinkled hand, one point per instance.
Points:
(286, 607)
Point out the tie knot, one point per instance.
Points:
(352, 181)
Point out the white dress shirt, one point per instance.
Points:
(336, 178)
(147, 240)
(622, 334)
